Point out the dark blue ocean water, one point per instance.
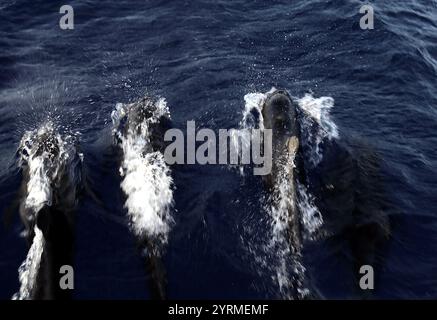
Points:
(203, 57)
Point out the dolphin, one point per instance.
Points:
(51, 182)
(350, 191)
(353, 197)
(143, 124)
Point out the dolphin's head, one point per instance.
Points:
(147, 118)
(43, 142)
(46, 143)
(141, 116)
(280, 116)
(139, 112)
(279, 113)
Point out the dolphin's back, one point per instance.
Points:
(280, 116)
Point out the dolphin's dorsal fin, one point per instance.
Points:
(292, 145)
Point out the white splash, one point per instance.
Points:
(41, 168)
(253, 102)
(319, 109)
(316, 125)
(240, 138)
(147, 181)
(28, 271)
(39, 189)
(311, 218)
(282, 201)
(289, 271)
